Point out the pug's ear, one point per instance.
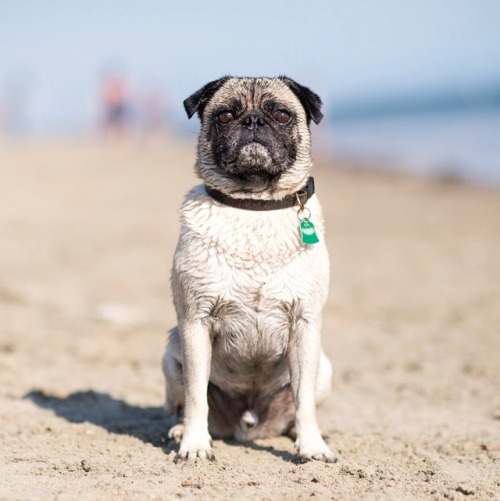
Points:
(197, 101)
(310, 101)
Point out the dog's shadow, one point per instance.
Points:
(148, 424)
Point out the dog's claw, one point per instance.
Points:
(319, 452)
(326, 458)
(194, 455)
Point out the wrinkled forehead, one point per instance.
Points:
(254, 93)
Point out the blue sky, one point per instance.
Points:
(346, 51)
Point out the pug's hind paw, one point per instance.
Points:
(176, 432)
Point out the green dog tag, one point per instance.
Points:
(308, 232)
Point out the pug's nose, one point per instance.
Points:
(253, 122)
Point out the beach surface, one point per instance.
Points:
(412, 327)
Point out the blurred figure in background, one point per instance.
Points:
(115, 98)
(153, 114)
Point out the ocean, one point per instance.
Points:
(461, 144)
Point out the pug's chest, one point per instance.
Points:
(246, 270)
(256, 241)
(251, 305)
(254, 330)
(250, 325)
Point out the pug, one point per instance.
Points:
(250, 274)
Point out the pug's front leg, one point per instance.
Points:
(304, 360)
(196, 358)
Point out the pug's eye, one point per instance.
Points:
(282, 116)
(225, 117)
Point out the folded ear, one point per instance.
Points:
(310, 101)
(197, 101)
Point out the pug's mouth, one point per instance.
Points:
(252, 158)
(255, 154)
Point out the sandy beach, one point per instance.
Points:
(412, 327)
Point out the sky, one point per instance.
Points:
(346, 51)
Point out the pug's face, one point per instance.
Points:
(255, 134)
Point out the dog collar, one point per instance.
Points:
(299, 198)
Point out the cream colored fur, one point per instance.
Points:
(249, 297)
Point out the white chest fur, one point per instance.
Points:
(243, 273)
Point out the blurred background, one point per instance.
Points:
(407, 85)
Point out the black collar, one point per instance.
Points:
(298, 198)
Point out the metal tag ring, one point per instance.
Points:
(301, 215)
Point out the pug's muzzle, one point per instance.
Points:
(250, 147)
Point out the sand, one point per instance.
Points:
(412, 326)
